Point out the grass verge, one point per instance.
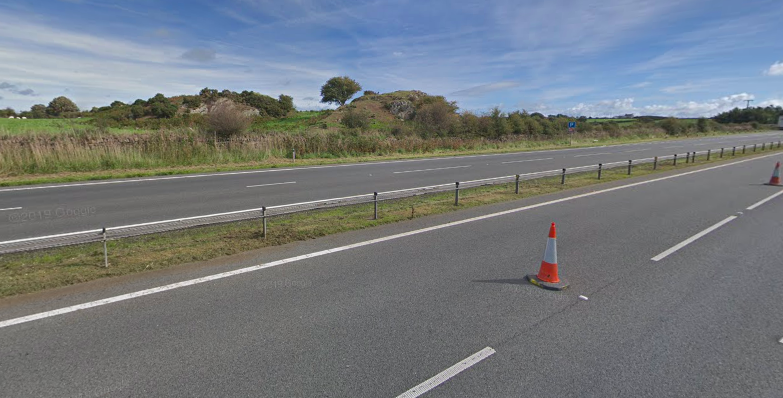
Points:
(29, 272)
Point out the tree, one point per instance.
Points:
(60, 106)
(338, 90)
(7, 112)
(286, 103)
(163, 110)
(117, 104)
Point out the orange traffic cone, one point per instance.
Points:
(775, 180)
(547, 277)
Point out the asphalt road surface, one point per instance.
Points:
(445, 310)
(60, 208)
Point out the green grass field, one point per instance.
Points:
(300, 121)
(52, 126)
(620, 122)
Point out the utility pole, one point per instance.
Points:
(747, 103)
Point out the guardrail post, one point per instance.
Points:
(630, 163)
(105, 250)
(743, 149)
(655, 163)
(778, 144)
(600, 168)
(456, 193)
(263, 216)
(693, 159)
(675, 159)
(562, 178)
(687, 157)
(375, 203)
(754, 147)
(709, 151)
(734, 150)
(763, 145)
(293, 154)
(721, 152)
(516, 189)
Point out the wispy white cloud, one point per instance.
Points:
(615, 107)
(772, 102)
(640, 85)
(236, 15)
(713, 39)
(579, 27)
(564, 93)
(682, 88)
(775, 70)
(484, 89)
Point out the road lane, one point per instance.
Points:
(378, 319)
(154, 199)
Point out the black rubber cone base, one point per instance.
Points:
(547, 285)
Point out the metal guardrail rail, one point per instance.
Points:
(263, 213)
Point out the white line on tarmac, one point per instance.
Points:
(637, 150)
(11, 208)
(439, 168)
(290, 169)
(444, 376)
(693, 238)
(528, 160)
(159, 289)
(765, 200)
(269, 185)
(592, 154)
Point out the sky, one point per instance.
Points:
(684, 58)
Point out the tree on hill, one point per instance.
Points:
(7, 112)
(61, 106)
(38, 111)
(766, 115)
(161, 107)
(338, 90)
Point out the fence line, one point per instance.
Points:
(263, 213)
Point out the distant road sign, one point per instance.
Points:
(571, 125)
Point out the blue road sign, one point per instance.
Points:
(571, 125)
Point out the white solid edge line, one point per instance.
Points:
(269, 185)
(693, 238)
(528, 160)
(594, 154)
(765, 200)
(11, 208)
(445, 375)
(128, 296)
(439, 168)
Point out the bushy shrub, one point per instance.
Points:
(436, 117)
(226, 119)
(673, 126)
(355, 119)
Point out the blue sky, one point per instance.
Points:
(600, 58)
